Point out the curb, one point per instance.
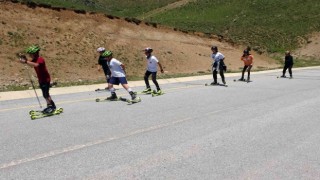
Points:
(12, 95)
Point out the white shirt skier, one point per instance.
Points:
(115, 68)
(217, 57)
(152, 64)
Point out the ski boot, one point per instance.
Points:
(147, 91)
(133, 95)
(49, 110)
(113, 97)
(134, 98)
(157, 93)
(241, 79)
(283, 76)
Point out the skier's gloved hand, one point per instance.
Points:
(22, 56)
(23, 60)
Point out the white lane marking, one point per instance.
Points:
(101, 141)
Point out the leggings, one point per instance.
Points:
(154, 79)
(244, 70)
(215, 72)
(285, 69)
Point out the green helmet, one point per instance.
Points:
(32, 49)
(106, 54)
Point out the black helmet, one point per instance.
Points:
(214, 48)
(246, 51)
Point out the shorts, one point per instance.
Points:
(118, 80)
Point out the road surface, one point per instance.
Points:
(266, 129)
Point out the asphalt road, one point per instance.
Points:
(266, 129)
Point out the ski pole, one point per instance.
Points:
(34, 89)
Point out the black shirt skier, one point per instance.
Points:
(103, 63)
(288, 63)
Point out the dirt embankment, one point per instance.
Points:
(310, 49)
(69, 41)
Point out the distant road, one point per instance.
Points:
(266, 129)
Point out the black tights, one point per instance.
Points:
(244, 70)
(215, 72)
(154, 79)
(45, 87)
(285, 69)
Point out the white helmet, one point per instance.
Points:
(101, 49)
(148, 50)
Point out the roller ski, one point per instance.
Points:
(146, 91)
(102, 89)
(216, 84)
(157, 93)
(283, 76)
(132, 101)
(110, 99)
(242, 80)
(45, 113)
(98, 90)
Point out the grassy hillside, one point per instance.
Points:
(267, 25)
(122, 8)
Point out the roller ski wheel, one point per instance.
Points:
(241, 80)
(34, 112)
(60, 110)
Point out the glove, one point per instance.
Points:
(22, 60)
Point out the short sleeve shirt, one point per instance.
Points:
(115, 68)
(152, 64)
(247, 60)
(42, 72)
(217, 57)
